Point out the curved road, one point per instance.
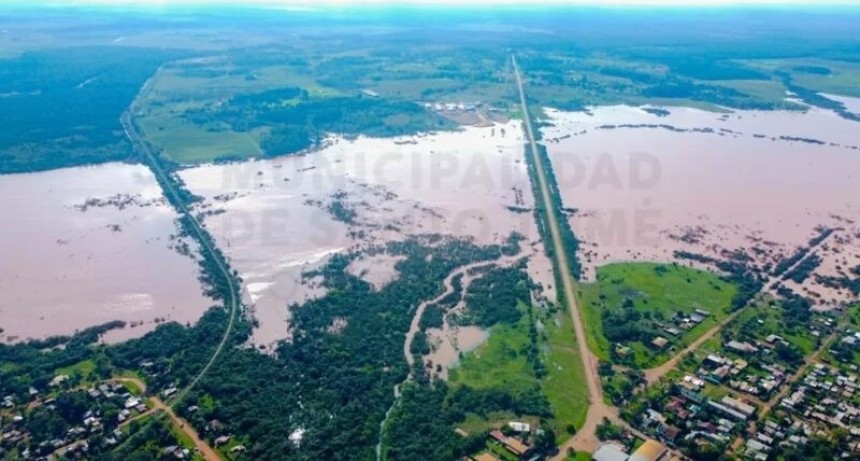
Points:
(180, 424)
(203, 238)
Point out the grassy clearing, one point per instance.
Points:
(842, 79)
(657, 292)
(564, 386)
(187, 143)
(501, 363)
(84, 369)
(498, 363)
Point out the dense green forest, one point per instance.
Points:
(61, 107)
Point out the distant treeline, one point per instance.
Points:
(61, 107)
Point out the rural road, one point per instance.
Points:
(585, 439)
(203, 238)
(180, 424)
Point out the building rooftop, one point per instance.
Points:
(610, 452)
(651, 450)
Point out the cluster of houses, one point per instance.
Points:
(688, 414)
(75, 443)
(825, 399)
(736, 373)
(651, 450)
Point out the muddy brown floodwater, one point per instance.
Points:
(644, 186)
(86, 246)
(277, 219)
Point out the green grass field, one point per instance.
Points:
(501, 363)
(657, 291)
(84, 369)
(564, 385)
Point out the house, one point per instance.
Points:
(673, 331)
(519, 427)
(511, 444)
(670, 433)
(735, 404)
(132, 402)
(732, 413)
(651, 450)
(222, 440)
(696, 318)
(610, 452)
(741, 347)
(715, 360)
(703, 312)
(660, 342)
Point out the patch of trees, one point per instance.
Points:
(541, 210)
(802, 271)
(411, 433)
(797, 310)
(815, 98)
(814, 70)
(297, 121)
(353, 370)
(842, 282)
(783, 266)
(685, 89)
(493, 298)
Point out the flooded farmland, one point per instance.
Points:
(86, 246)
(640, 184)
(278, 219)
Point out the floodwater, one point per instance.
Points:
(86, 246)
(851, 104)
(739, 181)
(275, 219)
(449, 342)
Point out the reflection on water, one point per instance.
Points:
(760, 182)
(85, 246)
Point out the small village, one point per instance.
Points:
(751, 401)
(70, 421)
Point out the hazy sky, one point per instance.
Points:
(301, 3)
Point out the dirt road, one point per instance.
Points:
(585, 438)
(180, 424)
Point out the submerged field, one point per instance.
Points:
(279, 219)
(88, 246)
(642, 184)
